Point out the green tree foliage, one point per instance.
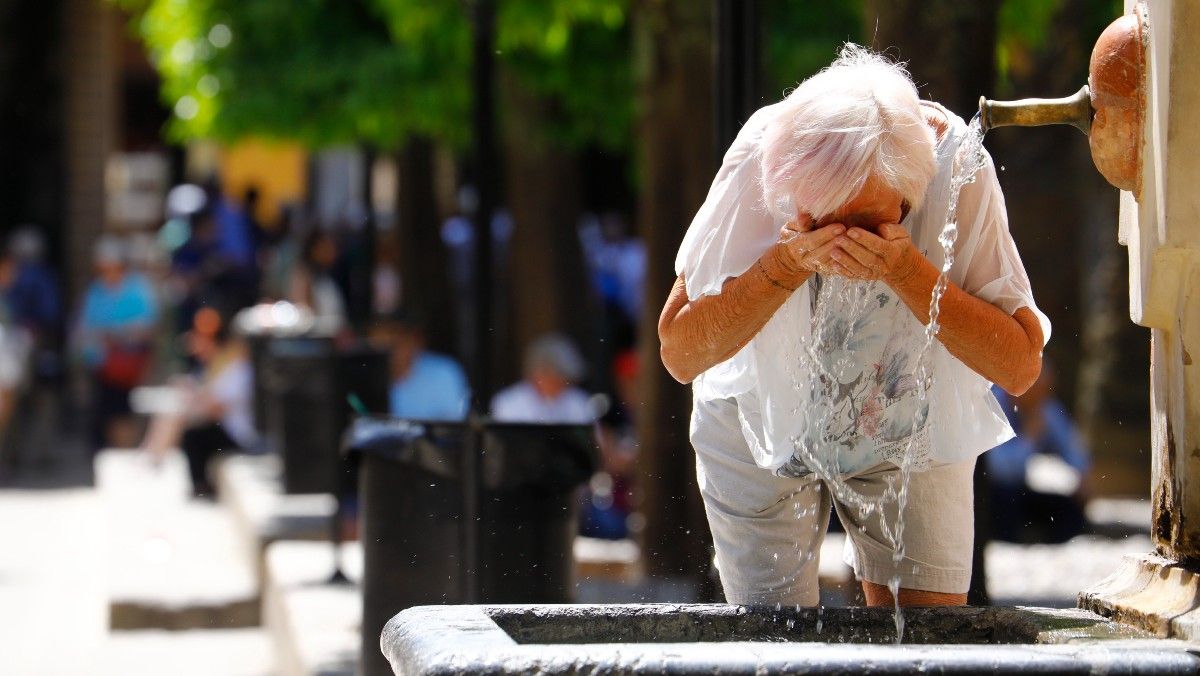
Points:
(317, 71)
(800, 38)
(1025, 28)
(378, 71)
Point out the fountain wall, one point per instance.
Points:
(1161, 228)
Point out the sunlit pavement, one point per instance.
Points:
(54, 601)
(53, 607)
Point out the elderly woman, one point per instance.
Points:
(846, 183)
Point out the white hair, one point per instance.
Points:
(857, 118)
(556, 352)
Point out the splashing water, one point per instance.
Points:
(835, 335)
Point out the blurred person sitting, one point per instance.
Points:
(31, 295)
(425, 385)
(1039, 479)
(547, 393)
(608, 501)
(114, 339)
(312, 284)
(215, 408)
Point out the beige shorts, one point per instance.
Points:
(768, 529)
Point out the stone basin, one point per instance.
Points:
(730, 639)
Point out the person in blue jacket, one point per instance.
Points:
(1027, 503)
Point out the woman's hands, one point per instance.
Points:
(853, 252)
(804, 248)
(889, 256)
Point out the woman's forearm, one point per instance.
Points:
(697, 335)
(1006, 350)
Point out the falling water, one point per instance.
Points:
(820, 455)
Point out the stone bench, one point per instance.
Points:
(173, 563)
(251, 490)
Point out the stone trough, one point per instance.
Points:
(730, 639)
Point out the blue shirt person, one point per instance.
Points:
(114, 336)
(425, 385)
(1025, 512)
(435, 388)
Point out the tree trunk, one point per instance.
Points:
(549, 291)
(949, 46)
(673, 53)
(423, 261)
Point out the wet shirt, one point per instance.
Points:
(841, 378)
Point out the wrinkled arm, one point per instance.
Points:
(1006, 350)
(696, 335)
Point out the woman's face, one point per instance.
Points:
(876, 204)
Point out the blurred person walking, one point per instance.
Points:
(113, 338)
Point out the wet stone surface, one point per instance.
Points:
(728, 639)
(728, 623)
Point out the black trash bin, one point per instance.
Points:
(419, 484)
(258, 347)
(307, 409)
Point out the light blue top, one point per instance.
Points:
(113, 310)
(1006, 462)
(434, 389)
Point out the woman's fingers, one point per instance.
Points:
(868, 240)
(892, 231)
(821, 259)
(854, 267)
(866, 257)
(839, 269)
(818, 237)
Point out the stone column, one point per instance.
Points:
(90, 49)
(1161, 591)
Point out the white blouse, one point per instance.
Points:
(854, 394)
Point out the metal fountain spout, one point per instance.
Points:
(1075, 110)
(1108, 109)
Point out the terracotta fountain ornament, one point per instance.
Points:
(1108, 109)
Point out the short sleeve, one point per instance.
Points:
(733, 227)
(987, 264)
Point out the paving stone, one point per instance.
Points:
(1118, 517)
(314, 624)
(1053, 575)
(53, 608)
(172, 562)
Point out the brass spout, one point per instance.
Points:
(1075, 110)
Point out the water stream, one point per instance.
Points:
(817, 374)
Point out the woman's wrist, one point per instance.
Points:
(907, 270)
(781, 271)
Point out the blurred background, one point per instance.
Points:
(187, 185)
